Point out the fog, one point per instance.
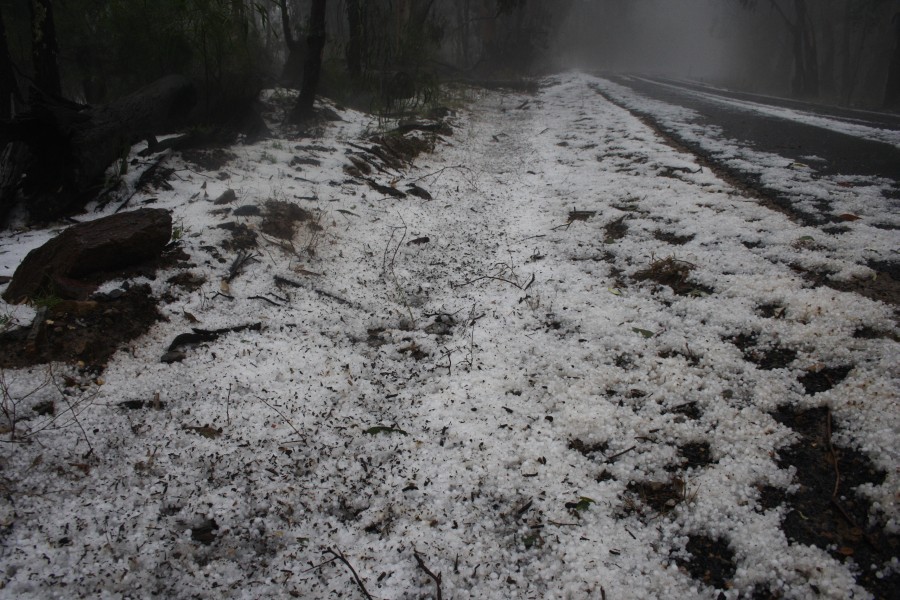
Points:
(847, 59)
(699, 39)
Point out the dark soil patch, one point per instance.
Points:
(673, 273)
(586, 449)
(672, 238)
(281, 219)
(836, 522)
(661, 496)
(187, 281)
(248, 210)
(766, 358)
(208, 159)
(691, 410)
(885, 226)
(771, 311)
(376, 337)
(414, 350)
(884, 287)
(771, 497)
(824, 379)
(696, 455)
(686, 354)
(869, 333)
(83, 331)
(771, 358)
(711, 561)
(157, 179)
(242, 237)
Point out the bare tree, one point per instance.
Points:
(355, 40)
(312, 69)
(805, 81)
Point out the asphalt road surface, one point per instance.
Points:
(845, 154)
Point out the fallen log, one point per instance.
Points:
(70, 146)
(86, 249)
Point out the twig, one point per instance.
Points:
(835, 501)
(320, 565)
(227, 406)
(834, 461)
(618, 454)
(477, 279)
(142, 181)
(240, 261)
(272, 302)
(340, 556)
(531, 237)
(285, 281)
(528, 285)
(440, 171)
(435, 578)
(280, 414)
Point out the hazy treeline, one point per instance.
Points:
(379, 52)
(837, 51)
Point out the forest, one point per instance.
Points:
(209, 60)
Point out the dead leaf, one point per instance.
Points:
(84, 468)
(206, 431)
(848, 217)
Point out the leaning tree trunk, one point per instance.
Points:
(313, 68)
(71, 146)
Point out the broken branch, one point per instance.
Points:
(430, 573)
(338, 555)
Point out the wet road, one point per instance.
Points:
(845, 154)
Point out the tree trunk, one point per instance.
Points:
(892, 91)
(44, 49)
(71, 146)
(810, 50)
(292, 71)
(9, 86)
(354, 43)
(313, 67)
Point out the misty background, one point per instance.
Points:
(742, 45)
(385, 55)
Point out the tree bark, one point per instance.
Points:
(291, 73)
(313, 67)
(9, 86)
(71, 146)
(44, 48)
(808, 83)
(354, 43)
